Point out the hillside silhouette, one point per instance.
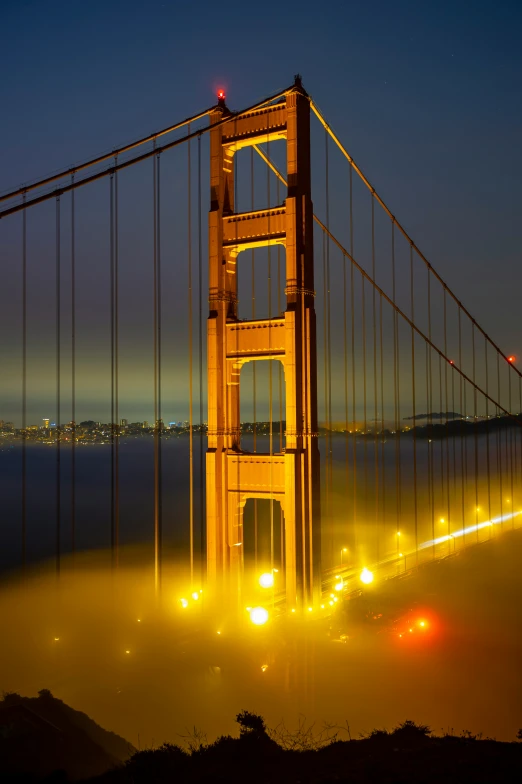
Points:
(42, 735)
(44, 740)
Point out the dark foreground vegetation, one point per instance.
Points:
(43, 740)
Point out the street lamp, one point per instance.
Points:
(344, 550)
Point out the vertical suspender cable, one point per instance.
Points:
(365, 412)
(73, 372)
(375, 443)
(111, 288)
(58, 390)
(475, 432)
(190, 352)
(345, 353)
(415, 500)
(158, 425)
(200, 349)
(24, 386)
(157, 532)
(325, 349)
(488, 472)
(159, 428)
(499, 444)
(446, 418)
(329, 344)
(462, 422)
(512, 500)
(396, 396)
(352, 308)
(116, 374)
(383, 466)
(429, 433)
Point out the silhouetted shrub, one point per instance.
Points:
(250, 724)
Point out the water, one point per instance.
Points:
(362, 509)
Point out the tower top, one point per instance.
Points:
(298, 84)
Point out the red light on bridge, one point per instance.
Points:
(221, 95)
(451, 362)
(512, 359)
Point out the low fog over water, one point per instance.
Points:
(149, 669)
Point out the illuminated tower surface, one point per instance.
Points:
(233, 476)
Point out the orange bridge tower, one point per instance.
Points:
(232, 475)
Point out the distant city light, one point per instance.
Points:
(195, 596)
(266, 580)
(259, 616)
(339, 586)
(183, 603)
(366, 576)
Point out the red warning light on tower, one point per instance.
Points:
(221, 95)
(512, 358)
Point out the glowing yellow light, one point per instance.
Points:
(266, 580)
(400, 635)
(56, 639)
(330, 603)
(310, 609)
(345, 549)
(410, 630)
(478, 508)
(248, 609)
(195, 596)
(184, 603)
(366, 576)
(127, 651)
(335, 599)
(219, 632)
(259, 616)
(442, 520)
(293, 609)
(264, 667)
(400, 555)
(322, 607)
(398, 533)
(422, 623)
(339, 586)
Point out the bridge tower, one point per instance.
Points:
(233, 475)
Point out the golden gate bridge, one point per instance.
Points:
(346, 416)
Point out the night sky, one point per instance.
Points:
(426, 97)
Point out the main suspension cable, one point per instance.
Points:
(353, 165)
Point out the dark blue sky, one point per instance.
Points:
(425, 95)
